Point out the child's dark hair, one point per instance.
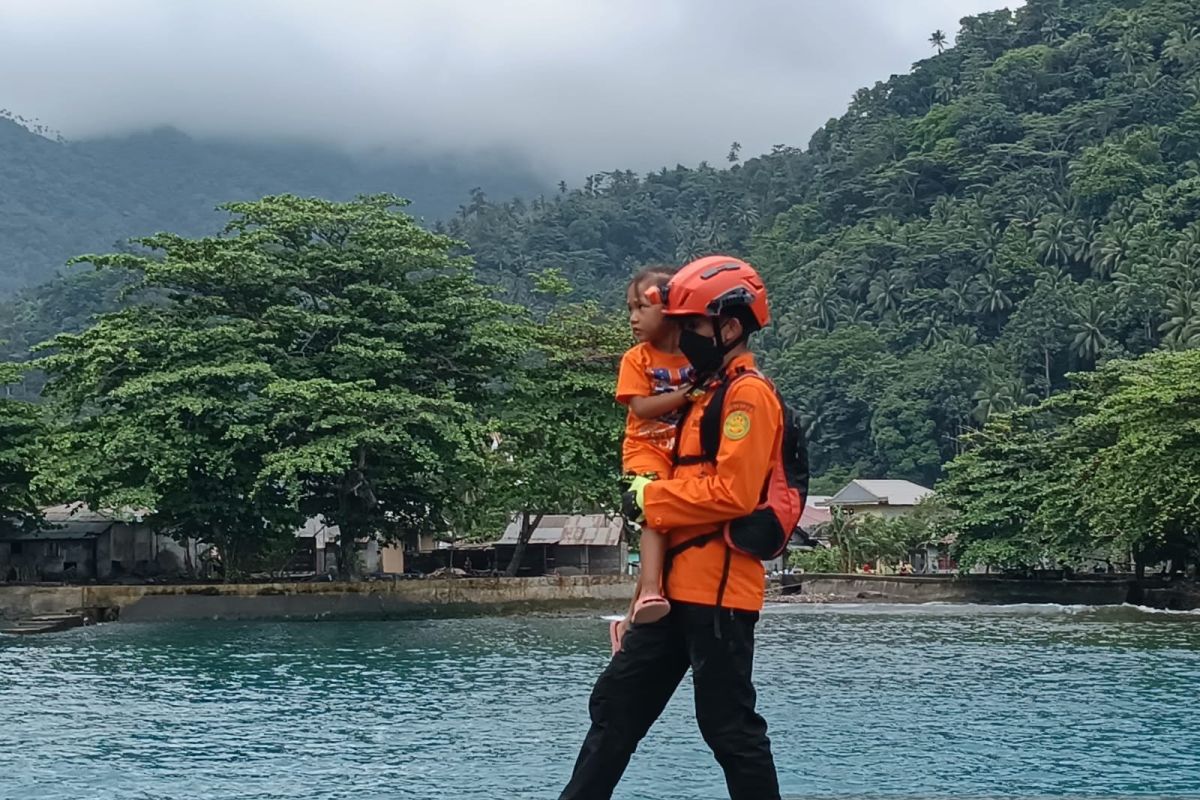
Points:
(653, 271)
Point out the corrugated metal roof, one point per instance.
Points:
(70, 531)
(79, 512)
(814, 515)
(574, 529)
(883, 492)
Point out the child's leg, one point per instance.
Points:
(650, 565)
(649, 603)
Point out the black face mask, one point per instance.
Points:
(705, 353)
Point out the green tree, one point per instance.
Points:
(559, 425)
(321, 358)
(20, 433)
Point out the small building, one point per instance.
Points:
(883, 498)
(816, 513)
(808, 531)
(315, 551)
(578, 544)
(76, 543)
(934, 558)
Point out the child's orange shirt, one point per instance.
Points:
(649, 443)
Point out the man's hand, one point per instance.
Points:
(633, 501)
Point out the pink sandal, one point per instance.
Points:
(650, 608)
(614, 638)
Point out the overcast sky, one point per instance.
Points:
(576, 85)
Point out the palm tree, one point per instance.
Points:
(1054, 29)
(852, 313)
(1186, 252)
(840, 531)
(942, 210)
(791, 328)
(963, 335)
(993, 396)
(993, 297)
(887, 292)
(936, 330)
(1111, 249)
(1089, 327)
(943, 89)
(1056, 239)
(1191, 88)
(987, 244)
(1183, 318)
(744, 214)
(962, 295)
(1086, 236)
(1029, 210)
(857, 278)
(1183, 45)
(823, 302)
(938, 39)
(1132, 51)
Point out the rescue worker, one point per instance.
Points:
(715, 592)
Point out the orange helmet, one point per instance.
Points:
(710, 285)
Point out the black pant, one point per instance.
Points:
(635, 687)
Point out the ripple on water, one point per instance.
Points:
(896, 701)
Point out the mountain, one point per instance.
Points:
(59, 199)
(1017, 208)
(1023, 205)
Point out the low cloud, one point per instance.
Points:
(574, 86)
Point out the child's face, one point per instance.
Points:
(645, 318)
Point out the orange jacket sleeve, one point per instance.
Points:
(632, 379)
(752, 423)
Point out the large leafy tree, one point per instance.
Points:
(558, 423)
(319, 358)
(1108, 470)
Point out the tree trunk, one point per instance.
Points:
(1046, 361)
(347, 554)
(225, 545)
(529, 523)
(355, 497)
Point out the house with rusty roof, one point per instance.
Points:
(75, 543)
(568, 544)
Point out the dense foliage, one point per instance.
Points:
(1017, 207)
(1106, 472)
(20, 436)
(319, 359)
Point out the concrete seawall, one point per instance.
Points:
(961, 589)
(378, 599)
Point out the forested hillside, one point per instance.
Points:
(1020, 206)
(59, 199)
(1017, 207)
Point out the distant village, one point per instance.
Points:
(80, 545)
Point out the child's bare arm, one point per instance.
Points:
(658, 404)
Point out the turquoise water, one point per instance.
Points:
(925, 701)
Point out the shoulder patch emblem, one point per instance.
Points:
(737, 425)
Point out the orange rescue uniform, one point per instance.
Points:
(647, 371)
(700, 497)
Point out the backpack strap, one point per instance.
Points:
(711, 421)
